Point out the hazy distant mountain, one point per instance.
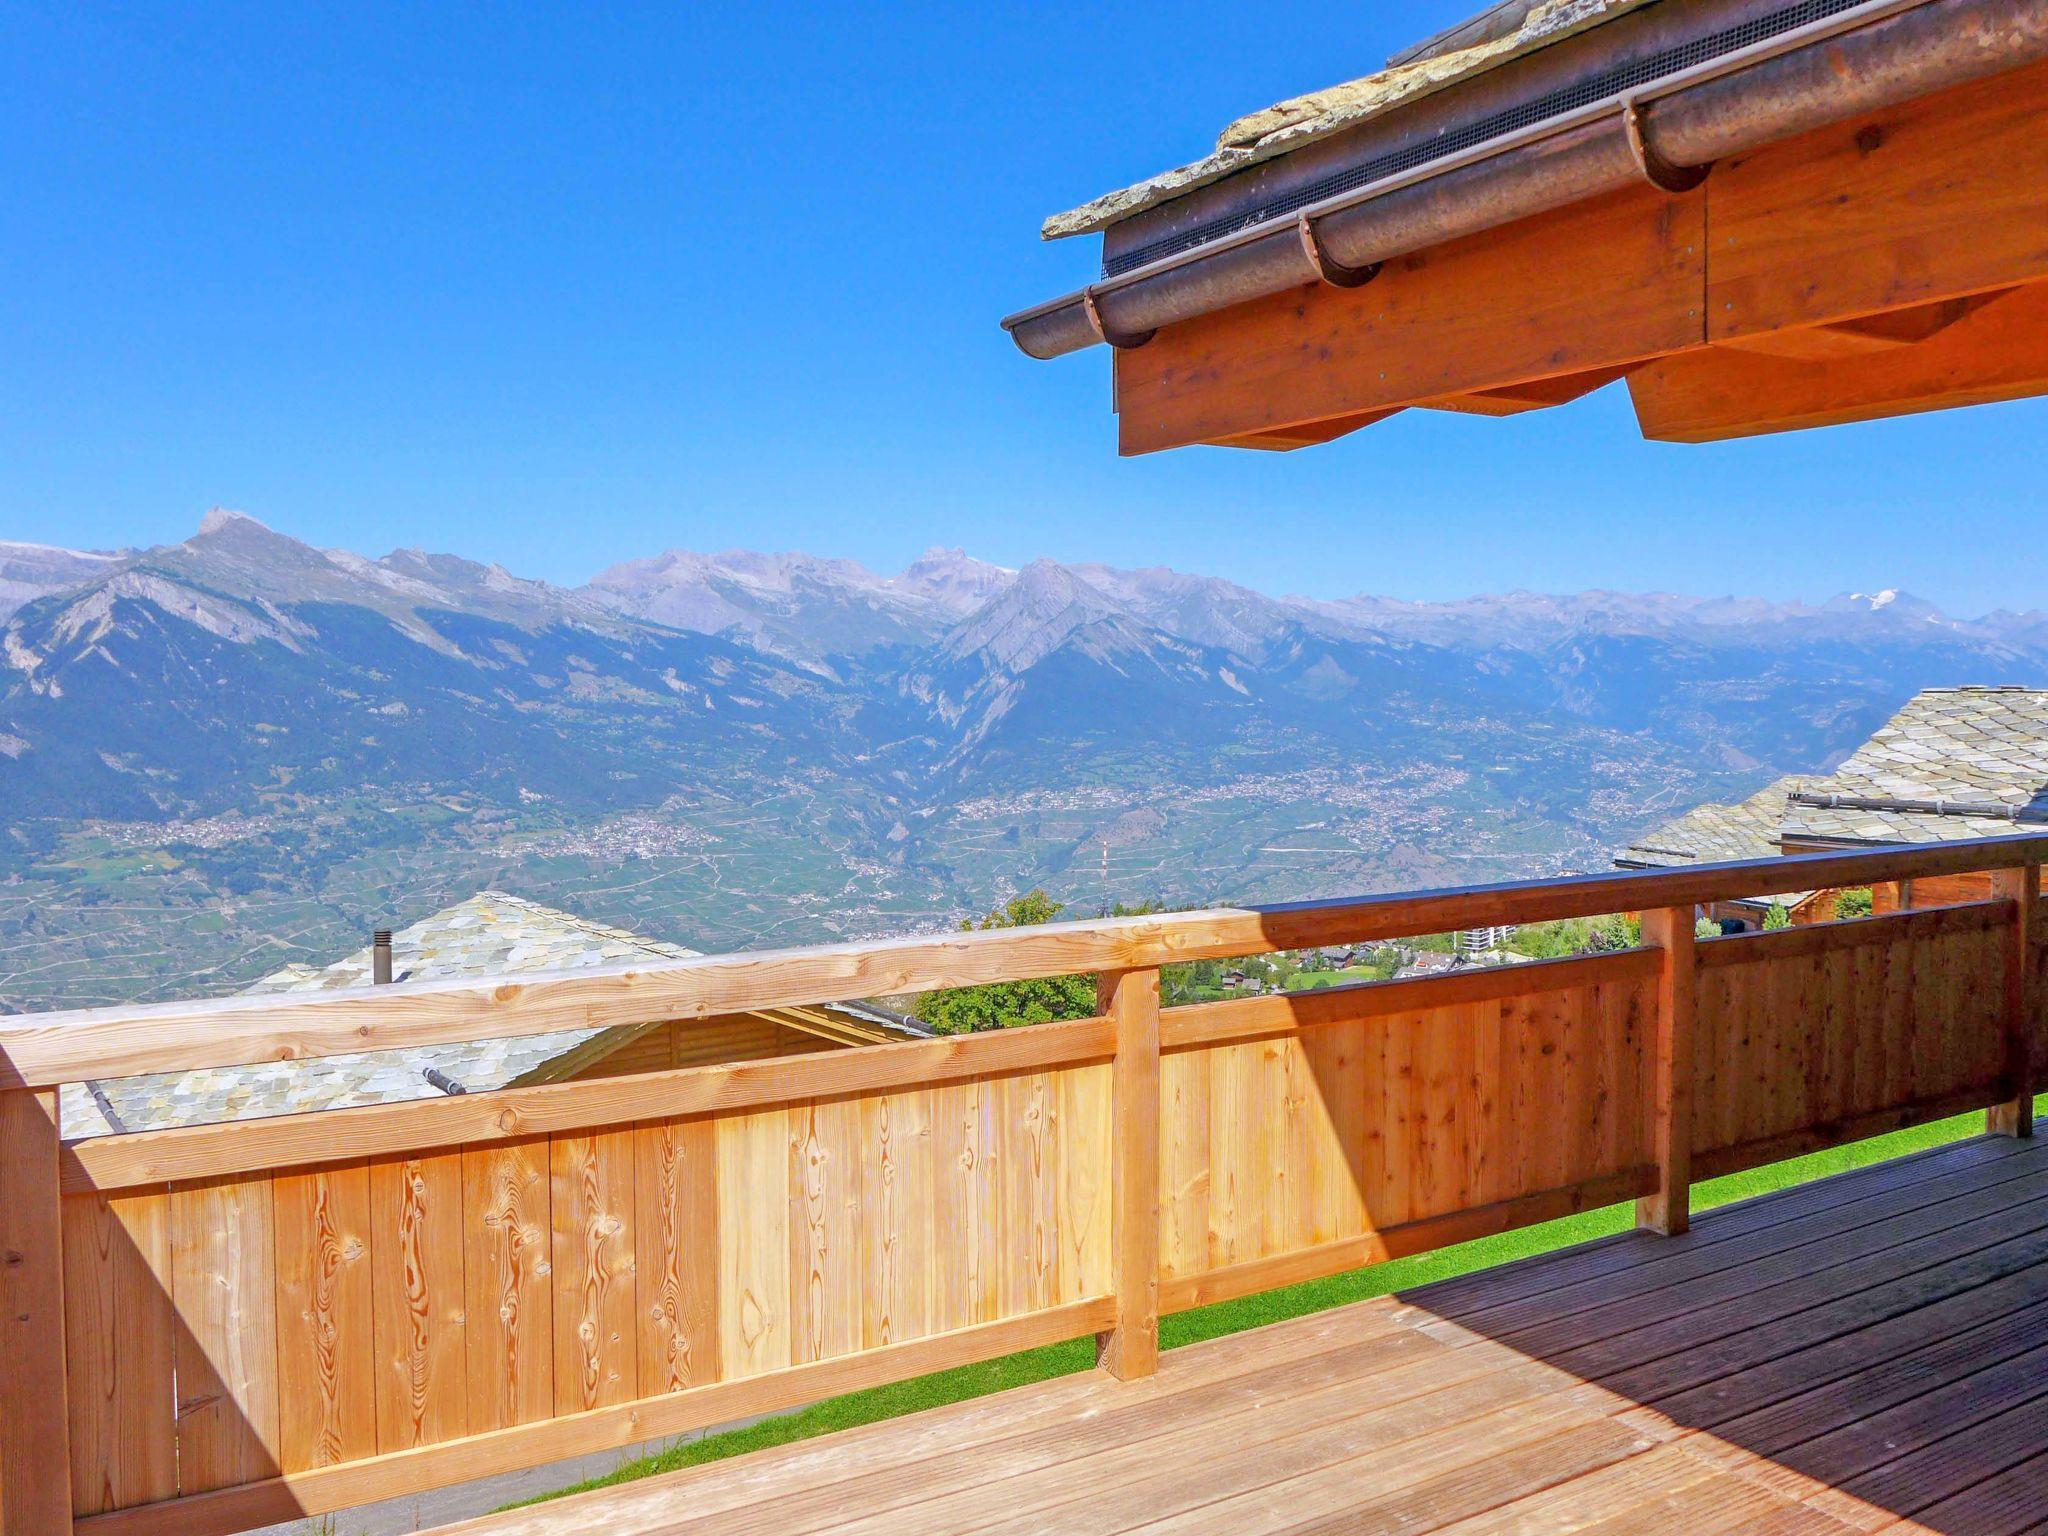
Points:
(27, 571)
(871, 746)
(242, 665)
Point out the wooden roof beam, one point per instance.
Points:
(1999, 352)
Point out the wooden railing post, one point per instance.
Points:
(2022, 887)
(35, 1428)
(1131, 1000)
(1668, 1210)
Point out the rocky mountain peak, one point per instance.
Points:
(953, 579)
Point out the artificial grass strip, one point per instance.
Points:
(978, 1380)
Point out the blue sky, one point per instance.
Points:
(562, 285)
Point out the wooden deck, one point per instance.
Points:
(1867, 1353)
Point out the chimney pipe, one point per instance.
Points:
(380, 956)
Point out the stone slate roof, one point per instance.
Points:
(1715, 834)
(1955, 763)
(1506, 32)
(489, 934)
(1712, 834)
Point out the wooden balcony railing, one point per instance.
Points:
(221, 1326)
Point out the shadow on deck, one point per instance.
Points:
(1866, 1353)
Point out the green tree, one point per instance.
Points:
(1002, 1004)
(1854, 903)
(1777, 917)
(1617, 930)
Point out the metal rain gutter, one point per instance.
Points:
(1669, 132)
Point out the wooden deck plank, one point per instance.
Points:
(1324, 1382)
(1957, 1380)
(1585, 1317)
(1686, 1326)
(1932, 1463)
(1862, 1226)
(1340, 1423)
(864, 1453)
(1873, 1348)
(2008, 1504)
(1875, 1360)
(1532, 1276)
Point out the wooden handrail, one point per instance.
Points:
(43, 1050)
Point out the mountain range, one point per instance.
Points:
(742, 747)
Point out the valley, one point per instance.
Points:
(237, 751)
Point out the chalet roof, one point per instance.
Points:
(1503, 32)
(491, 933)
(1954, 763)
(1713, 834)
(1710, 834)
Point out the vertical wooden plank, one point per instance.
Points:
(1795, 1020)
(1276, 1129)
(1775, 1019)
(1900, 1024)
(1600, 1065)
(1716, 1028)
(118, 1325)
(1086, 1121)
(824, 1193)
(1373, 1178)
(1632, 1049)
(753, 1243)
(35, 1455)
(1131, 1000)
(326, 1340)
(897, 1231)
(1667, 1210)
(1030, 1194)
(1865, 1028)
(1396, 1119)
(1183, 1165)
(1233, 1217)
(953, 1224)
(676, 1207)
(2022, 887)
(1335, 1115)
(508, 1284)
(590, 1208)
(92, 1368)
(1490, 1129)
(224, 1286)
(1433, 1180)
(1831, 1069)
(416, 1279)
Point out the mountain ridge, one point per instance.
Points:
(774, 747)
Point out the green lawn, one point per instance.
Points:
(1272, 1306)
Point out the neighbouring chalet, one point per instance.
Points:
(1719, 834)
(1954, 764)
(490, 934)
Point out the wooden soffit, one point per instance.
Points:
(1878, 266)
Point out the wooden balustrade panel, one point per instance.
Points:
(228, 1330)
(1347, 1128)
(1812, 1031)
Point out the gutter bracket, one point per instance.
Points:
(1657, 171)
(1122, 341)
(1327, 267)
